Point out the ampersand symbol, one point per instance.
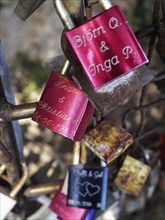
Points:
(103, 47)
(61, 99)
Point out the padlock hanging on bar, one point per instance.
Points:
(119, 89)
(107, 140)
(132, 175)
(87, 185)
(63, 107)
(7, 202)
(59, 201)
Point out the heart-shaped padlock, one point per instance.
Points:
(63, 107)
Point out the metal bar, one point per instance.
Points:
(17, 187)
(150, 132)
(146, 32)
(10, 112)
(163, 9)
(155, 21)
(41, 189)
(139, 108)
(10, 133)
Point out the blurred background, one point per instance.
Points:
(28, 45)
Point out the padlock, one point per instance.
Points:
(132, 175)
(107, 140)
(7, 202)
(119, 89)
(63, 107)
(87, 185)
(59, 204)
(25, 9)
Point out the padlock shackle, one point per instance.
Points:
(76, 152)
(66, 67)
(105, 4)
(21, 181)
(63, 14)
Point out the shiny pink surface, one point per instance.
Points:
(59, 206)
(63, 108)
(106, 47)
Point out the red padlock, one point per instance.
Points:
(63, 107)
(106, 46)
(59, 206)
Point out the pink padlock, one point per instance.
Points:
(59, 204)
(63, 107)
(106, 46)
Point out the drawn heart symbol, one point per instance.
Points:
(92, 189)
(81, 189)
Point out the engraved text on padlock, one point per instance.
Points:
(106, 47)
(63, 108)
(87, 187)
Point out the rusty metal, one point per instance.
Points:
(107, 140)
(41, 189)
(10, 112)
(132, 175)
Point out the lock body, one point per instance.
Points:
(63, 108)
(132, 175)
(115, 93)
(59, 204)
(107, 140)
(7, 204)
(106, 47)
(87, 187)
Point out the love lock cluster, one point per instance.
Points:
(106, 66)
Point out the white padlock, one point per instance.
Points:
(7, 202)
